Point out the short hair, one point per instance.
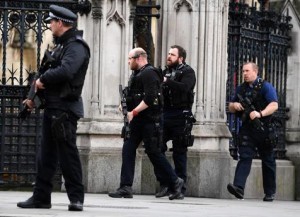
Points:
(254, 65)
(67, 24)
(181, 51)
(139, 52)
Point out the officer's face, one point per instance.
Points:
(132, 62)
(55, 26)
(173, 58)
(249, 73)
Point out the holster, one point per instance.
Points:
(125, 134)
(58, 128)
(189, 140)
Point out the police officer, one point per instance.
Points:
(144, 103)
(178, 86)
(62, 85)
(257, 131)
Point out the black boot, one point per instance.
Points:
(269, 197)
(176, 194)
(76, 206)
(124, 191)
(34, 203)
(236, 191)
(163, 191)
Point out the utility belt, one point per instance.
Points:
(152, 112)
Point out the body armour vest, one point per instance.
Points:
(142, 88)
(174, 95)
(255, 97)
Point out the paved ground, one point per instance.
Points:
(147, 205)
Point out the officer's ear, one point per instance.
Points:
(180, 60)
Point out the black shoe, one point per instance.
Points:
(163, 191)
(125, 191)
(180, 197)
(236, 191)
(177, 189)
(34, 203)
(269, 197)
(76, 206)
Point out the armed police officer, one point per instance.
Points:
(144, 104)
(178, 86)
(255, 102)
(62, 85)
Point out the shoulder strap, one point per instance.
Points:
(257, 87)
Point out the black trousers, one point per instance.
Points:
(250, 141)
(144, 130)
(66, 152)
(173, 129)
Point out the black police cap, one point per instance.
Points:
(61, 13)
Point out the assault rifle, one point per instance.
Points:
(126, 129)
(33, 95)
(248, 106)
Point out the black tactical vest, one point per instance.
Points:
(177, 98)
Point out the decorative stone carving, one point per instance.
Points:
(116, 16)
(179, 3)
(97, 13)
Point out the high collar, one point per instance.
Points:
(67, 35)
(141, 69)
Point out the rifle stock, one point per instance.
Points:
(126, 129)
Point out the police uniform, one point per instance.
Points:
(178, 100)
(63, 82)
(253, 137)
(144, 84)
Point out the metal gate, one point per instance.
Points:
(261, 36)
(22, 31)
